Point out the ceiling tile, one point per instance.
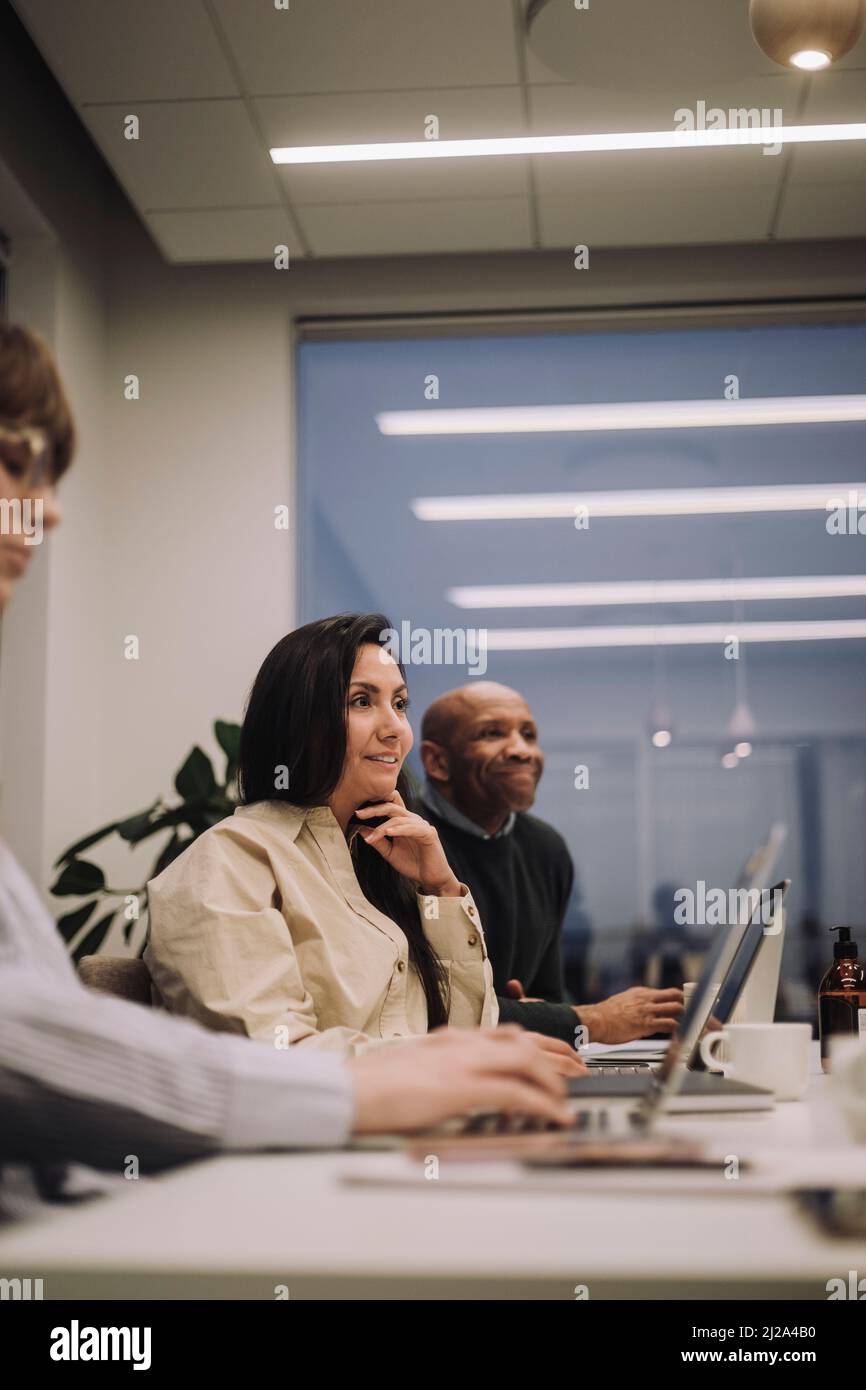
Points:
(558, 110)
(836, 95)
(414, 179)
(629, 217)
(412, 228)
(738, 54)
(712, 173)
(235, 234)
(563, 109)
(640, 43)
(362, 117)
(126, 50)
(347, 46)
(844, 162)
(824, 210)
(189, 154)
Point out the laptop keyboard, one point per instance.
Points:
(585, 1121)
(637, 1069)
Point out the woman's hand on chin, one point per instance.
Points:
(411, 844)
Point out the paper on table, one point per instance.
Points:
(770, 1171)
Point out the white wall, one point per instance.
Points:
(194, 567)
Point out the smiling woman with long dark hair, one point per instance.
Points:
(324, 912)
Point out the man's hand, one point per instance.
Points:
(635, 1013)
(453, 1072)
(514, 990)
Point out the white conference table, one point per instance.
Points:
(271, 1225)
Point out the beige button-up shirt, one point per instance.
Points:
(261, 928)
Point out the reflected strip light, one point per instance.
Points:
(685, 635)
(566, 144)
(652, 502)
(595, 594)
(625, 415)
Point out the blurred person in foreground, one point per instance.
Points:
(89, 1080)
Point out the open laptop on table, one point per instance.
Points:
(756, 991)
(672, 1086)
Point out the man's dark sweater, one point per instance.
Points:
(521, 883)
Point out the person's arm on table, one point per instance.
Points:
(88, 1078)
(634, 1013)
(542, 1005)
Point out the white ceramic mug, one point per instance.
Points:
(773, 1056)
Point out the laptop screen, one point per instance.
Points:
(763, 919)
(720, 957)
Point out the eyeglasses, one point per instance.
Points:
(26, 454)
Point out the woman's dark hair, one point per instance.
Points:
(296, 720)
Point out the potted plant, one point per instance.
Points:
(204, 801)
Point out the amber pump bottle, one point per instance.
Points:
(842, 996)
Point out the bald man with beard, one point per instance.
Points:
(480, 749)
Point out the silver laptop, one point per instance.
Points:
(756, 998)
(672, 1086)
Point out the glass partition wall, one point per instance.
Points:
(659, 538)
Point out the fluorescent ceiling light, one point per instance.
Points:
(566, 144)
(625, 415)
(672, 635)
(592, 595)
(703, 501)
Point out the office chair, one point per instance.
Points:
(119, 975)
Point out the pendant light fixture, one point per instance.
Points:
(661, 729)
(740, 728)
(806, 34)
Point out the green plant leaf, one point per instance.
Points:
(198, 815)
(95, 937)
(134, 828)
(88, 840)
(196, 777)
(228, 736)
(77, 878)
(174, 847)
(71, 922)
(176, 816)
